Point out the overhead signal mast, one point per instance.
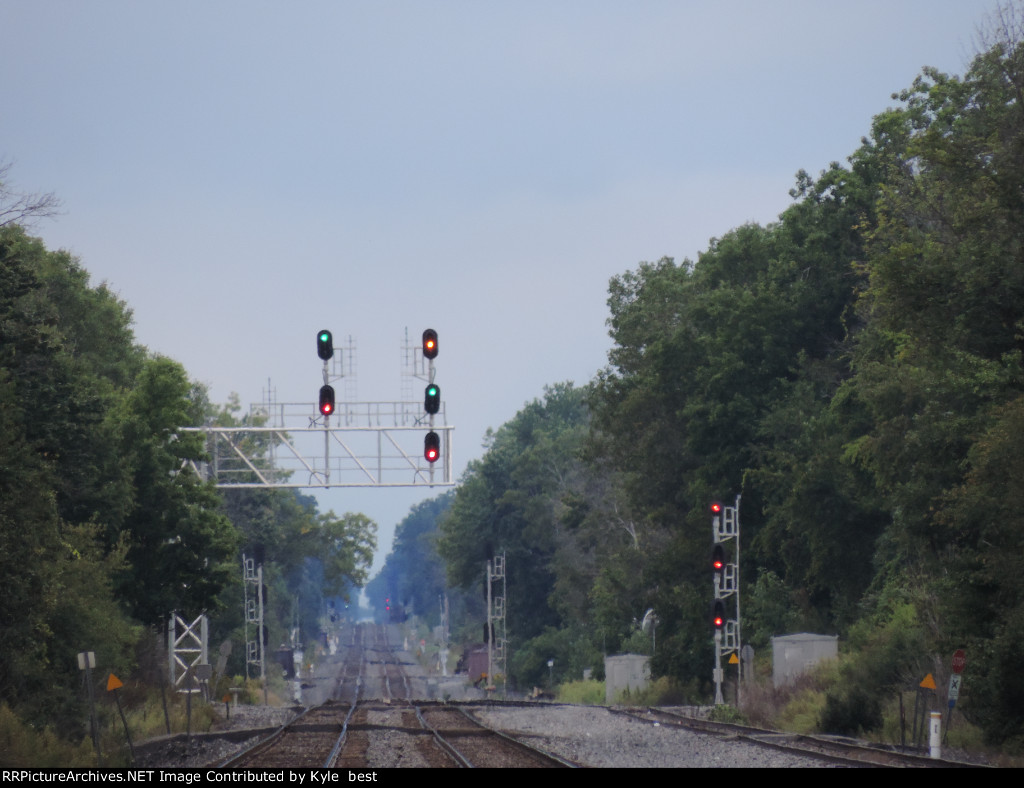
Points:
(364, 444)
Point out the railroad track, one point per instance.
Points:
(829, 750)
(372, 723)
(471, 743)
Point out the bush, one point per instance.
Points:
(22, 746)
(571, 651)
(589, 693)
(663, 691)
(851, 712)
(724, 713)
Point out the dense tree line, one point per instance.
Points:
(854, 371)
(103, 529)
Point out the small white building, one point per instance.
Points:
(793, 655)
(625, 671)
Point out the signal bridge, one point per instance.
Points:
(334, 444)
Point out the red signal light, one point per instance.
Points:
(718, 615)
(432, 447)
(716, 507)
(327, 400)
(718, 558)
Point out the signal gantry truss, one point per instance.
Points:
(292, 445)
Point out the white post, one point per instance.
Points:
(935, 739)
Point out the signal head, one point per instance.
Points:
(432, 399)
(327, 400)
(431, 447)
(716, 508)
(718, 559)
(430, 344)
(324, 344)
(718, 615)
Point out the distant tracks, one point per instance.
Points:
(375, 734)
(354, 732)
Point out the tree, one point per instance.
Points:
(413, 573)
(938, 366)
(509, 503)
(182, 547)
(20, 208)
(346, 550)
(58, 491)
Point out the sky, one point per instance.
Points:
(243, 173)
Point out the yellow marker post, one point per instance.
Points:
(926, 686)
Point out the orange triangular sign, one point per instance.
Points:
(929, 682)
(113, 683)
(734, 660)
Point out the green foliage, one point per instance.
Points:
(725, 713)
(851, 712)
(64, 353)
(854, 370)
(103, 529)
(22, 746)
(803, 713)
(771, 611)
(587, 693)
(570, 650)
(413, 572)
(182, 548)
(662, 691)
(510, 503)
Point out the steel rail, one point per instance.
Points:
(827, 749)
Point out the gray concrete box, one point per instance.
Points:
(625, 671)
(793, 655)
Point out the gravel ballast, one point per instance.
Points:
(591, 736)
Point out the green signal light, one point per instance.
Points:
(432, 399)
(324, 344)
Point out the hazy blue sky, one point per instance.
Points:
(244, 173)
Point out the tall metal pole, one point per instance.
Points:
(504, 627)
(262, 648)
(490, 629)
(739, 638)
(245, 610)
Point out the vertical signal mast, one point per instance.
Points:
(431, 398)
